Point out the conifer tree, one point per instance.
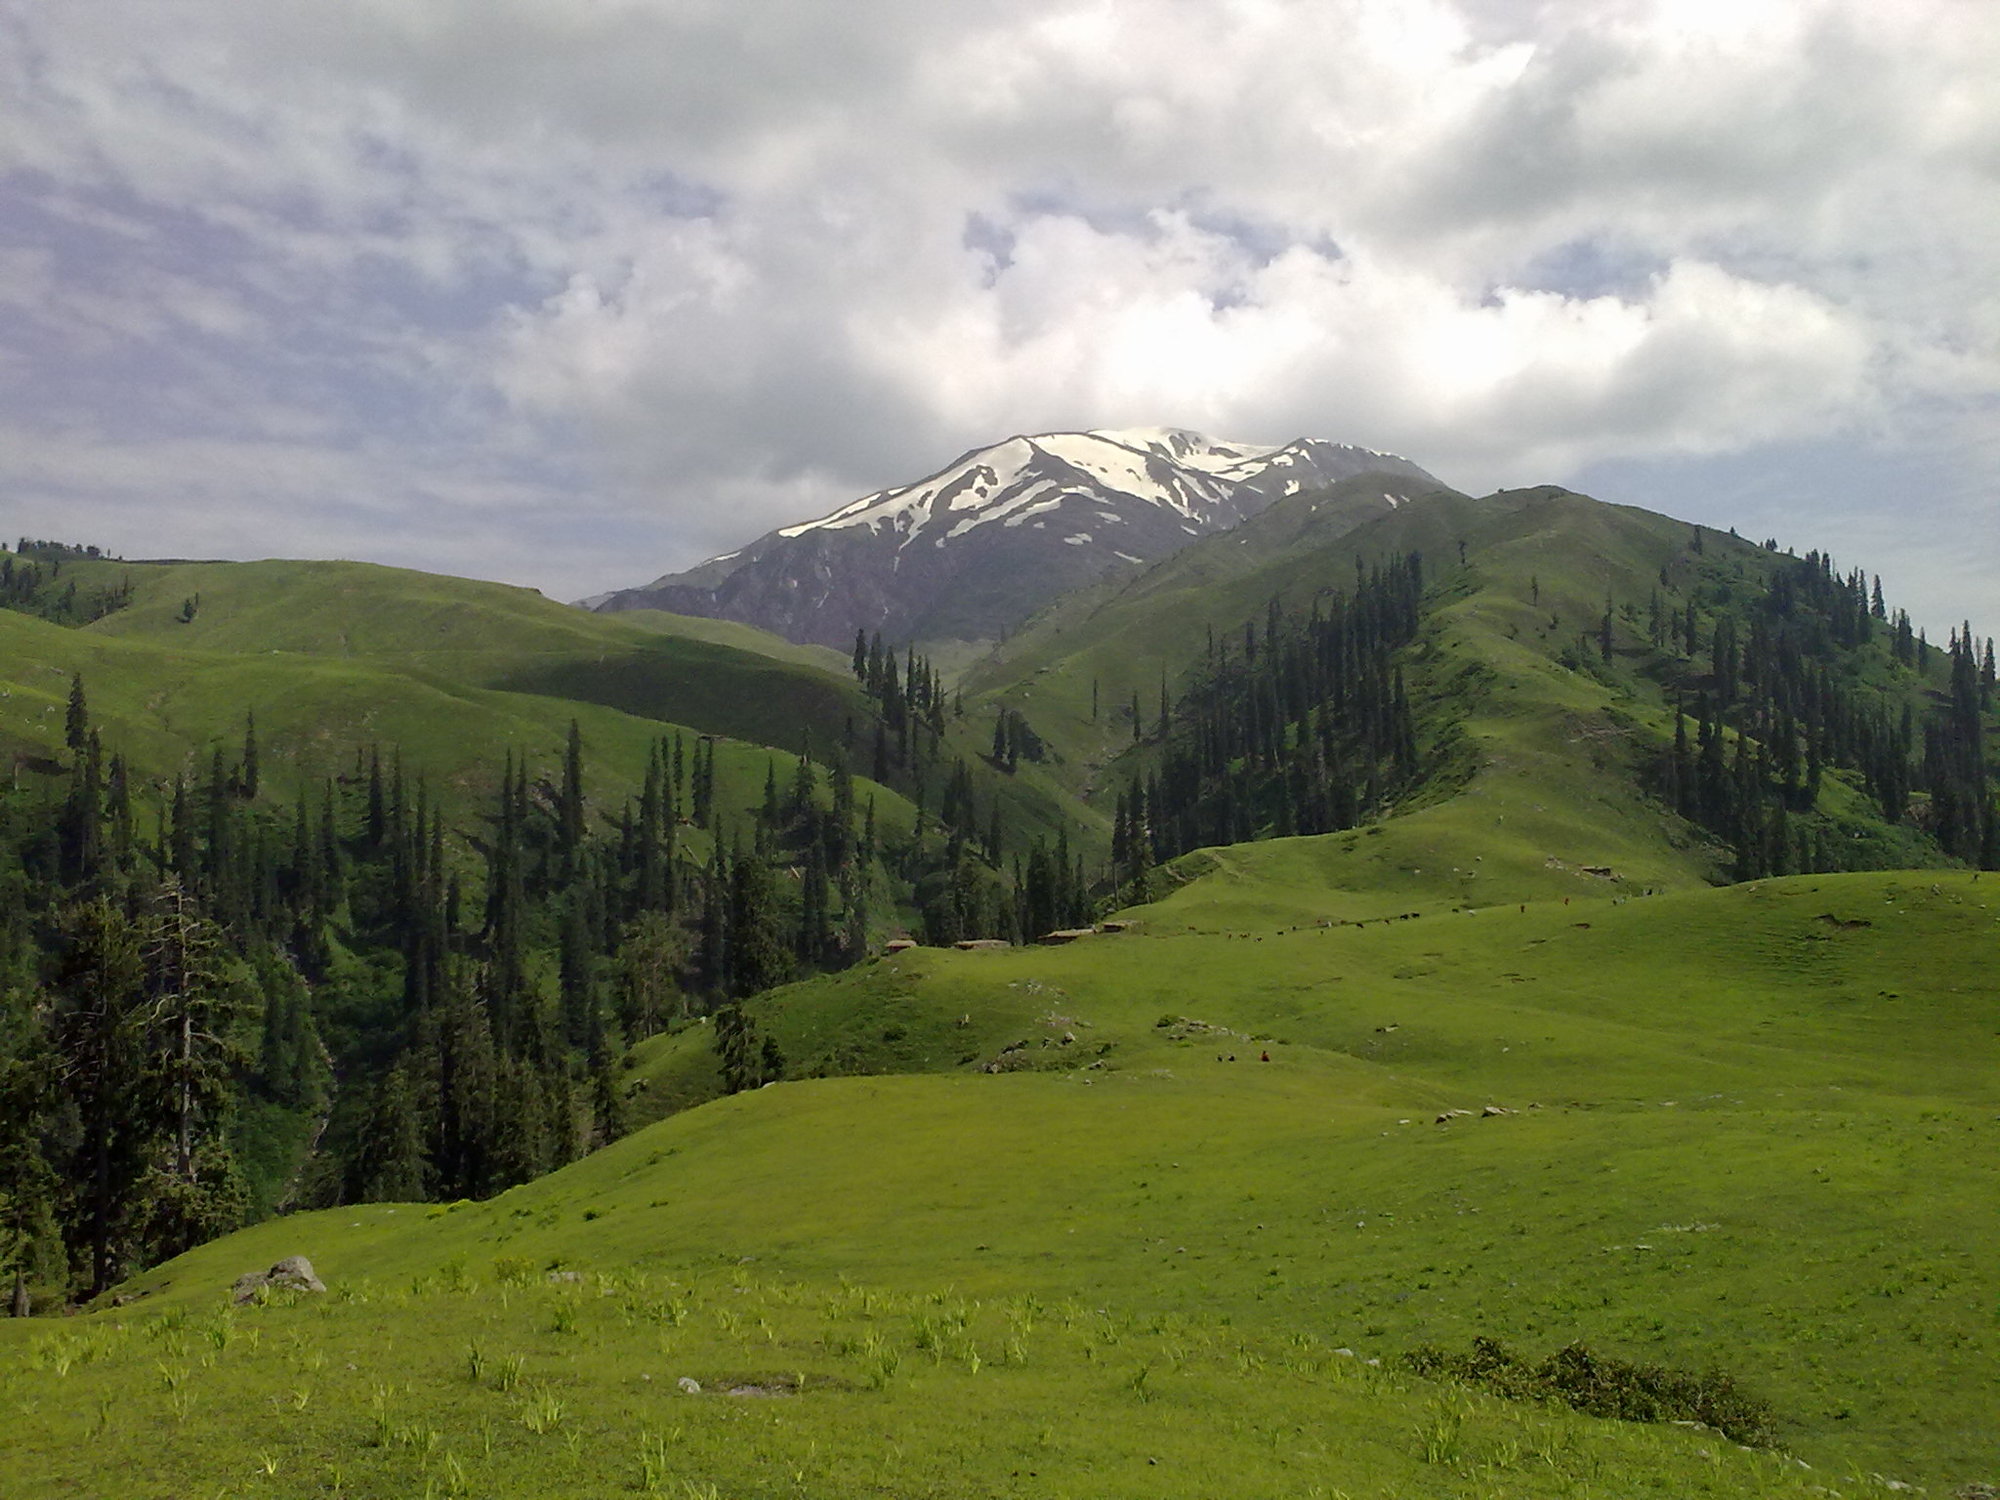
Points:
(76, 722)
(251, 773)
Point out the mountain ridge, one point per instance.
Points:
(973, 549)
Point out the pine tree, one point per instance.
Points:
(106, 1071)
(29, 1239)
(76, 722)
(569, 810)
(757, 947)
(250, 775)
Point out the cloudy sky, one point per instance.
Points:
(573, 292)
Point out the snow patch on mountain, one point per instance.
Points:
(1165, 467)
(974, 548)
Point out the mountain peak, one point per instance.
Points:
(974, 548)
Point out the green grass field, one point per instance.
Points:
(1752, 1129)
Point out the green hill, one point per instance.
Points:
(1163, 1210)
(730, 680)
(1128, 1266)
(1544, 678)
(168, 707)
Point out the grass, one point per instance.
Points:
(820, 1387)
(1774, 1156)
(457, 633)
(166, 706)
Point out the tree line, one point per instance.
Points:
(197, 972)
(1811, 673)
(1303, 727)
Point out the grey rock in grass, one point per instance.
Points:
(293, 1273)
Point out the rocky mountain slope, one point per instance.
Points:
(977, 547)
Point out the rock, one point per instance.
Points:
(296, 1272)
(689, 1385)
(559, 1277)
(293, 1273)
(1493, 1109)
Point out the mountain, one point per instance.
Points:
(974, 549)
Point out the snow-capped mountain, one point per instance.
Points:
(980, 545)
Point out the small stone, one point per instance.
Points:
(689, 1385)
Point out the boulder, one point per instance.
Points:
(293, 1273)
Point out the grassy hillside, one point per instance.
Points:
(1128, 1265)
(167, 707)
(1543, 746)
(461, 633)
(1108, 643)
(1748, 1126)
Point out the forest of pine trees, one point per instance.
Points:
(974, 883)
(1302, 727)
(186, 977)
(1775, 691)
(31, 580)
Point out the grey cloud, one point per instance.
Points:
(687, 270)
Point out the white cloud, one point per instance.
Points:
(680, 263)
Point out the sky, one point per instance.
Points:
(572, 293)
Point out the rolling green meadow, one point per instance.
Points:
(1166, 1209)
(1751, 1129)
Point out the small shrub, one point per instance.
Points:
(1602, 1387)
